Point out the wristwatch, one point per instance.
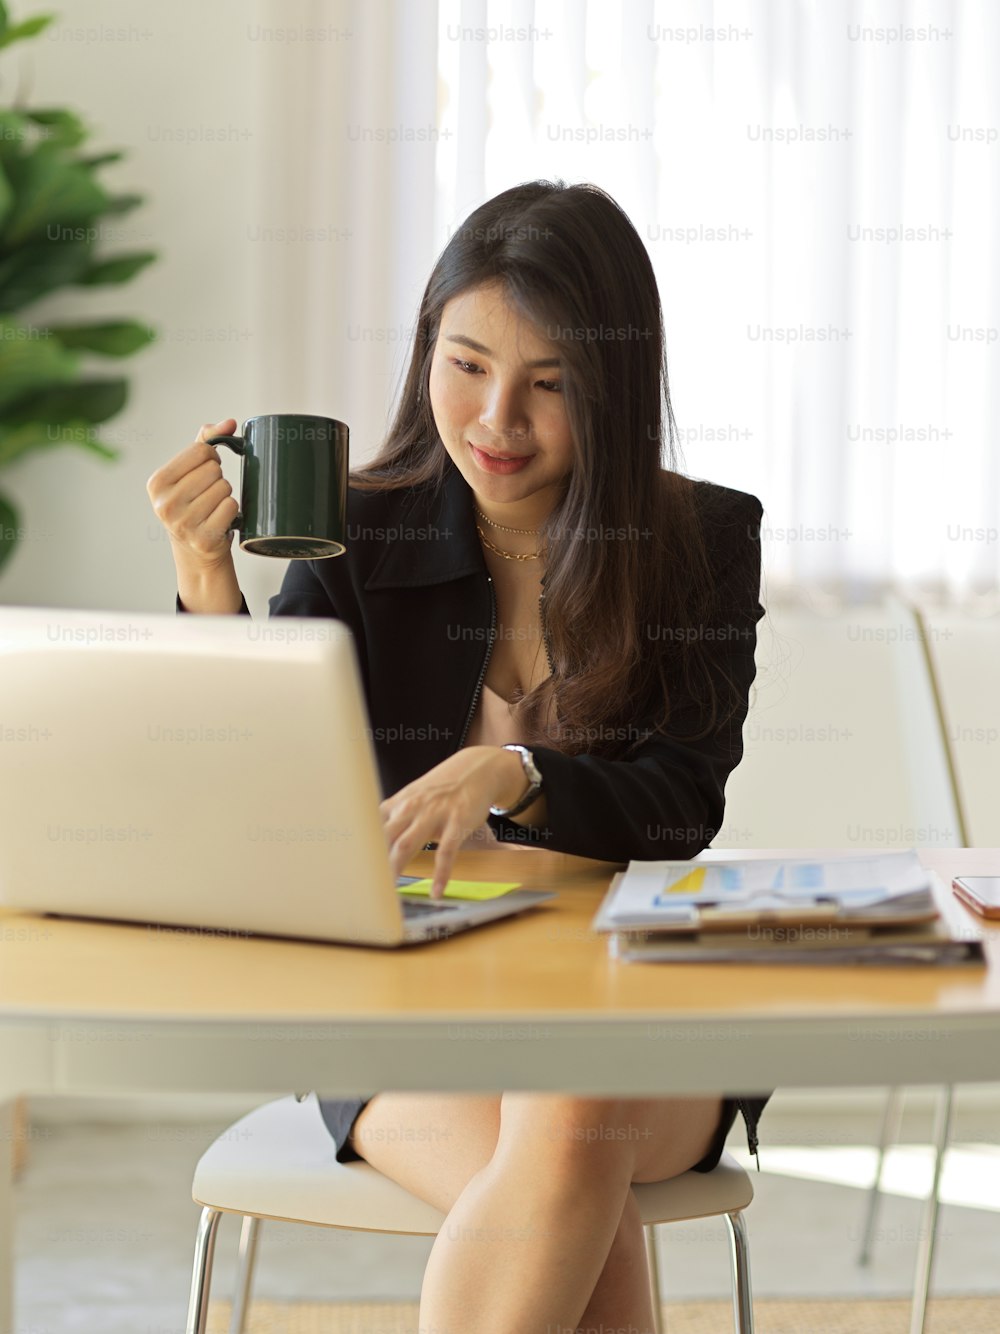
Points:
(534, 782)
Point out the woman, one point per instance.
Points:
(521, 570)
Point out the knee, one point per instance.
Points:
(570, 1132)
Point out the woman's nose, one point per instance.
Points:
(502, 412)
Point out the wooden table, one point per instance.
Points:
(530, 1003)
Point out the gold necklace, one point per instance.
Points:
(508, 555)
(532, 532)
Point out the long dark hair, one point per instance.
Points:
(625, 549)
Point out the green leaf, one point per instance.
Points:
(49, 192)
(26, 29)
(9, 529)
(124, 203)
(6, 196)
(99, 159)
(33, 270)
(116, 338)
(80, 433)
(12, 133)
(117, 270)
(83, 401)
(31, 361)
(20, 440)
(64, 127)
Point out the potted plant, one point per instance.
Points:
(51, 204)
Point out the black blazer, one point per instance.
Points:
(414, 590)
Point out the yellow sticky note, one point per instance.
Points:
(688, 884)
(462, 889)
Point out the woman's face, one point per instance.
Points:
(496, 385)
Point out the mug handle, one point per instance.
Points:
(238, 445)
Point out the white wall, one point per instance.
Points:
(229, 344)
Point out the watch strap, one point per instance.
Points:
(534, 787)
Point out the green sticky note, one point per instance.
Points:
(462, 889)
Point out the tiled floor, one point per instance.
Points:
(106, 1231)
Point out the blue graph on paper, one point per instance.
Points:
(799, 875)
(849, 882)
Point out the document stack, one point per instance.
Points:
(882, 908)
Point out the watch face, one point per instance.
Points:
(533, 776)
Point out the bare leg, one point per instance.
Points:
(523, 1247)
(549, 1234)
(6, 1214)
(622, 1299)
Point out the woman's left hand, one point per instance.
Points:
(446, 804)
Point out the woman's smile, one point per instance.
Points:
(496, 392)
(498, 464)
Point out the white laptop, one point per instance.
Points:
(214, 772)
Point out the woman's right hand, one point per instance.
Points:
(194, 502)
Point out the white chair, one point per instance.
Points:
(932, 767)
(279, 1162)
(843, 740)
(928, 1232)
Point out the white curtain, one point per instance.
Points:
(818, 186)
(346, 166)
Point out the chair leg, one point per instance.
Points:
(888, 1134)
(928, 1233)
(654, 1279)
(249, 1237)
(201, 1279)
(740, 1254)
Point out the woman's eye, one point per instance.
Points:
(471, 368)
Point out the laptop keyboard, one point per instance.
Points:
(418, 907)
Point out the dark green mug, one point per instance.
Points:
(293, 485)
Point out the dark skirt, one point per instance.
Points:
(339, 1115)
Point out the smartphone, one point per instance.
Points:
(980, 892)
